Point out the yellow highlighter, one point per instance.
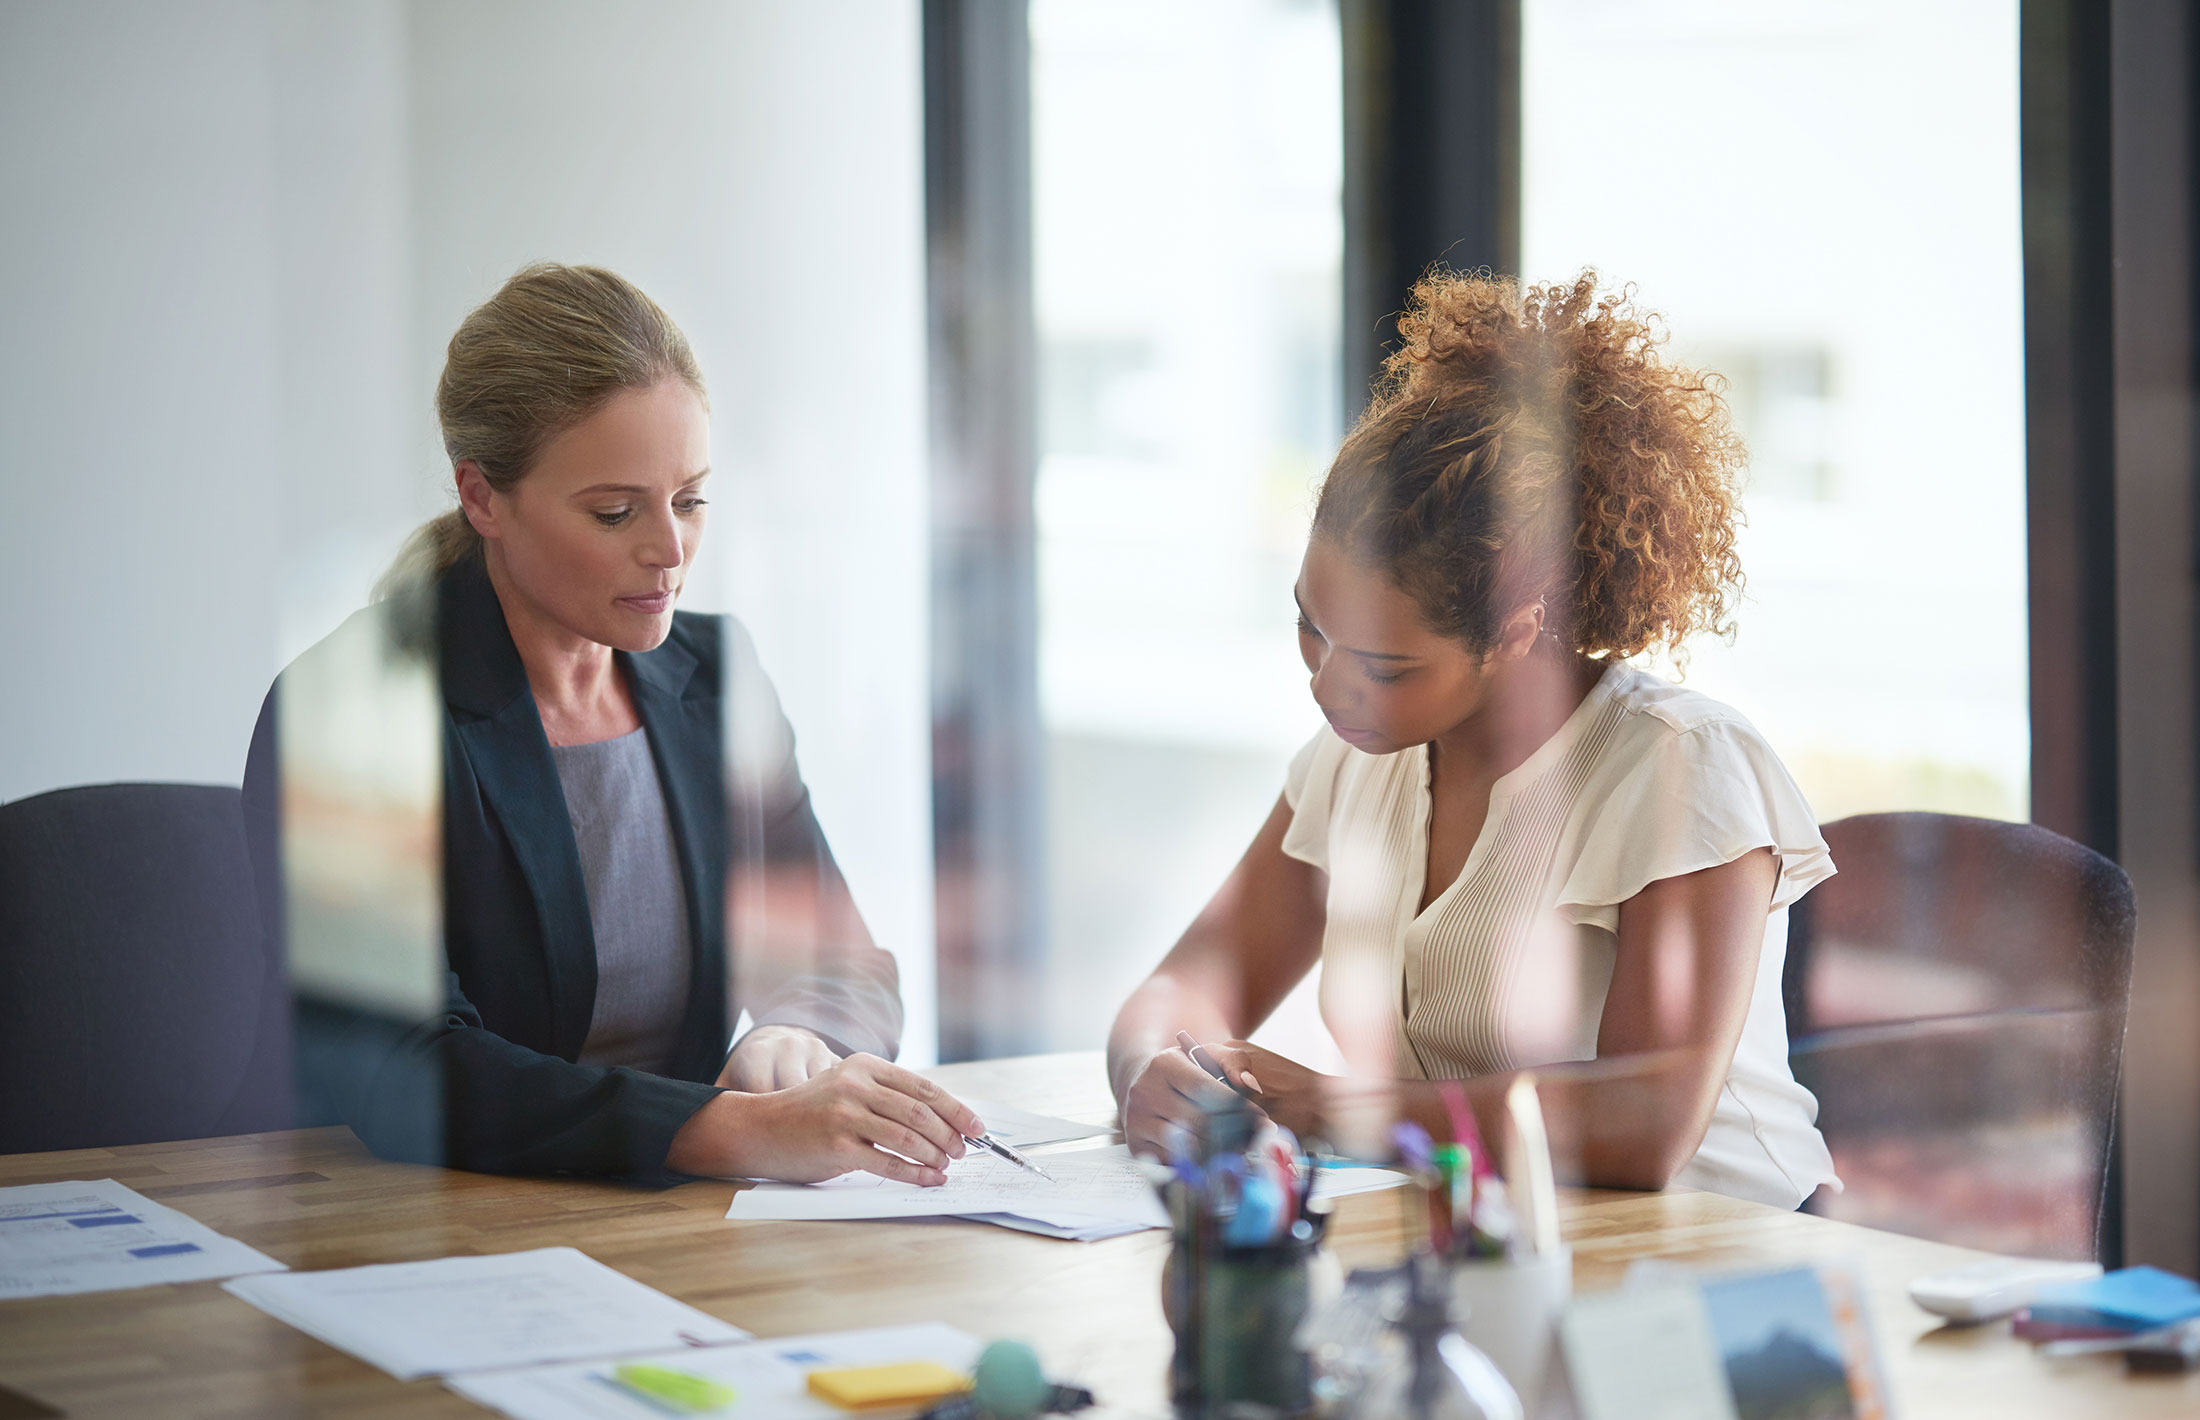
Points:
(676, 1391)
(905, 1383)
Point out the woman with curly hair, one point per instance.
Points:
(1511, 849)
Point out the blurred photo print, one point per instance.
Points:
(1795, 1346)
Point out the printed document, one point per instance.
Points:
(482, 1313)
(770, 1378)
(98, 1236)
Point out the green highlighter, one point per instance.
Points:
(677, 1392)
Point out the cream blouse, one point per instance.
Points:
(1508, 967)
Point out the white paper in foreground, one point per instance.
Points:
(1088, 1187)
(771, 1378)
(482, 1313)
(99, 1236)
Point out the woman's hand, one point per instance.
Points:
(775, 1058)
(1286, 1091)
(1164, 1105)
(843, 1119)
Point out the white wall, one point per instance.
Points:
(139, 389)
(235, 239)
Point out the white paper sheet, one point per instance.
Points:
(96, 1235)
(771, 1378)
(1085, 1183)
(1066, 1226)
(482, 1313)
(1092, 1193)
(1021, 1129)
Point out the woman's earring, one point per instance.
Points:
(1549, 631)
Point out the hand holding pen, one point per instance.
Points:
(1000, 1150)
(1174, 1090)
(1204, 1058)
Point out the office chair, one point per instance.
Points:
(138, 1001)
(1956, 998)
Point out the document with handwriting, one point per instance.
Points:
(1085, 1184)
(1086, 1191)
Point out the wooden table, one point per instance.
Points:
(314, 1198)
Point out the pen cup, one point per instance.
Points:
(1234, 1312)
(1508, 1308)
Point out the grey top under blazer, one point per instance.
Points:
(631, 869)
(493, 1081)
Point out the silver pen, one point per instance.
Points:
(995, 1146)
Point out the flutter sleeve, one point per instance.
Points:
(1310, 789)
(1696, 798)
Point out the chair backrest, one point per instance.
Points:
(1956, 998)
(138, 999)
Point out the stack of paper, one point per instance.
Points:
(482, 1313)
(769, 1378)
(1088, 1194)
(98, 1236)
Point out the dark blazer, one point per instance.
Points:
(492, 1082)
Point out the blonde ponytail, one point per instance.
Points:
(435, 547)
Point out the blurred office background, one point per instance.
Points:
(1029, 330)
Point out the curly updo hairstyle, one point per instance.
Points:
(1529, 443)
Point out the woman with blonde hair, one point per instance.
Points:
(1511, 850)
(594, 806)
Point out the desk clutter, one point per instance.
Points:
(2150, 1316)
(1478, 1320)
(1246, 1269)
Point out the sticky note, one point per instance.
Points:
(677, 1391)
(905, 1383)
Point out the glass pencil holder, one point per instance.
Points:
(1509, 1307)
(1234, 1312)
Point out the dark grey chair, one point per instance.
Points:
(1956, 999)
(138, 1000)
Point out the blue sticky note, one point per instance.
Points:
(2130, 1298)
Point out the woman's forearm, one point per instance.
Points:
(1629, 1122)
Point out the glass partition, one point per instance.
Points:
(1187, 170)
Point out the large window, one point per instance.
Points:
(1187, 240)
(1823, 199)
